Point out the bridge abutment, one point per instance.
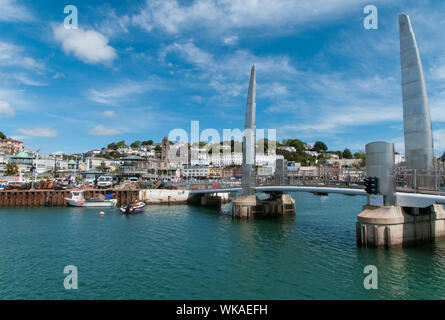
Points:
(214, 200)
(250, 207)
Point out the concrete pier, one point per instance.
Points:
(386, 224)
(250, 207)
(393, 226)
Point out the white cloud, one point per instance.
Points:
(112, 24)
(12, 11)
(230, 40)
(236, 64)
(12, 55)
(87, 45)
(229, 74)
(23, 78)
(273, 89)
(117, 92)
(39, 132)
(109, 114)
(58, 75)
(172, 17)
(6, 109)
(101, 130)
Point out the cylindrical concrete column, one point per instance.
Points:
(380, 164)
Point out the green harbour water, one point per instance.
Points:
(187, 252)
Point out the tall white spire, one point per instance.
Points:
(249, 139)
(419, 152)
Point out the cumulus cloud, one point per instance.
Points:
(101, 130)
(87, 45)
(39, 132)
(6, 109)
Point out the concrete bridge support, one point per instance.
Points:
(214, 200)
(210, 199)
(384, 223)
(250, 207)
(387, 227)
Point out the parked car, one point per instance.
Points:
(105, 182)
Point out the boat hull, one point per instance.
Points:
(133, 210)
(91, 203)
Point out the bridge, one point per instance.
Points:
(406, 204)
(404, 198)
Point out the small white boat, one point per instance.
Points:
(137, 207)
(78, 200)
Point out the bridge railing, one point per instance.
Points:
(406, 180)
(414, 180)
(205, 185)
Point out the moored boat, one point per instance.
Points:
(78, 200)
(137, 207)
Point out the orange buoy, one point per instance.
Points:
(102, 213)
(82, 202)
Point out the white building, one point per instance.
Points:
(189, 171)
(47, 163)
(344, 162)
(265, 171)
(398, 158)
(288, 148)
(311, 153)
(235, 158)
(332, 156)
(92, 163)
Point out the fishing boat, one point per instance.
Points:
(78, 200)
(137, 207)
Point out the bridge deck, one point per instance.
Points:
(404, 198)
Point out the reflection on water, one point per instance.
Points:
(186, 252)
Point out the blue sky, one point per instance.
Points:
(134, 70)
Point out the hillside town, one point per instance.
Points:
(168, 161)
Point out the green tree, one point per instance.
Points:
(347, 154)
(147, 143)
(136, 144)
(362, 157)
(296, 143)
(121, 144)
(112, 146)
(320, 146)
(158, 148)
(12, 169)
(2, 135)
(359, 155)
